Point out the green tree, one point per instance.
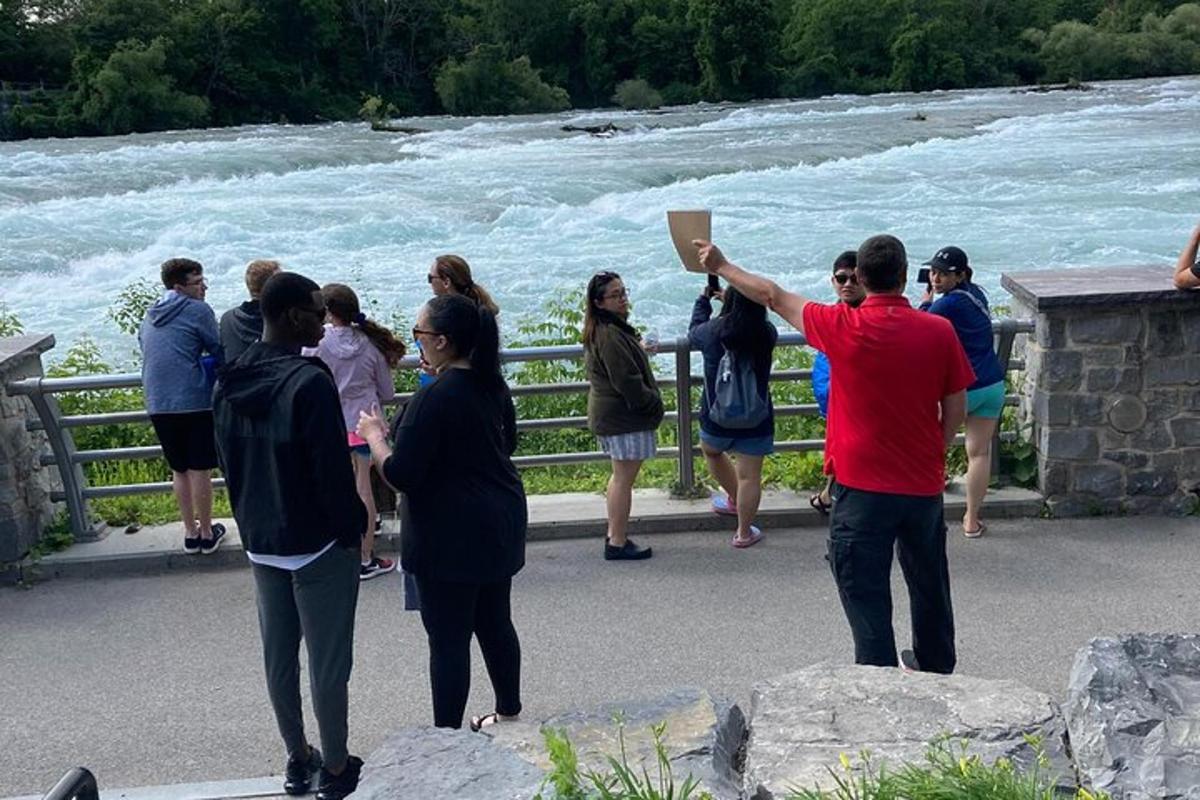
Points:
(841, 45)
(485, 82)
(737, 47)
(930, 48)
(133, 92)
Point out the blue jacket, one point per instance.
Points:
(820, 382)
(967, 309)
(176, 332)
(705, 333)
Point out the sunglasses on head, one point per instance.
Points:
(843, 277)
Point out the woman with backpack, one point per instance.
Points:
(624, 404)
(966, 306)
(736, 415)
(361, 354)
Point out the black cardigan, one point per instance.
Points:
(466, 503)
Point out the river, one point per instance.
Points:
(1020, 180)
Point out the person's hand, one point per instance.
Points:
(719, 295)
(425, 366)
(371, 426)
(711, 257)
(928, 296)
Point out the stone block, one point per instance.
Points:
(1164, 335)
(1101, 379)
(1177, 371)
(1104, 480)
(803, 722)
(1186, 431)
(1071, 444)
(1189, 323)
(1052, 408)
(704, 738)
(1188, 467)
(1114, 328)
(1153, 437)
(1129, 380)
(1162, 404)
(1055, 478)
(1131, 459)
(1050, 332)
(1131, 708)
(1156, 483)
(1088, 410)
(1062, 370)
(1105, 356)
(439, 762)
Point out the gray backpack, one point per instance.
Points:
(736, 402)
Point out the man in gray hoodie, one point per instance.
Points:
(181, 350)
(242, 325)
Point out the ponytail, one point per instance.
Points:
(471, 330)
(485, 357)
(384, 340)
(342, 302)
(457, 271)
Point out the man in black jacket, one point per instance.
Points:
(242, 326)
(283, 449)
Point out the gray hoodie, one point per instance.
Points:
(176, 332)
(359, 369)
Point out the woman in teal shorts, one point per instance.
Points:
(966, 306)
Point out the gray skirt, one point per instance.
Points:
(636, 446)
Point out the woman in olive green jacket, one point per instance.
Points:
(624, 404)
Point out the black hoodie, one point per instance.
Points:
(241, 327)
(282, 444)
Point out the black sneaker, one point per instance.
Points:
(908, 660)
(297, 778)
(335, 787)
(210, 545)
(378, 566)
(191, 545)
(627, 552)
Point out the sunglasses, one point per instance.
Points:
(843, 277)
(431, 278)
(418, 332)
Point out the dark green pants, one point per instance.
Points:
(316, 604)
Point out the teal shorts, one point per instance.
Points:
(986, 401)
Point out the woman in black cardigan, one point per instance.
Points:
(464, 537)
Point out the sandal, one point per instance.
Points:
(721, 504)
(756, 536)
(820, 505)
(486, 721)
(975, 534)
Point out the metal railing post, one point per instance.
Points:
(1005, 336)
(683, 419)
(78, 784)
(62, 444)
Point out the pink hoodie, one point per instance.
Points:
(360, 371)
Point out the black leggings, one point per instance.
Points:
(451, 613)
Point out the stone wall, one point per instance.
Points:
(1112, 390)
(25, 485)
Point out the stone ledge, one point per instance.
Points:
(15, 349)
(1088, 288)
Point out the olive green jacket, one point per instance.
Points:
(623, 397)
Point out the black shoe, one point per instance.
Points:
(908, 659)
(297, 778)
(335, 787)
(191, 544)
(627, 552)
(210, 545)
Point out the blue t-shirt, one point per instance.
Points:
(967, 309)
(820, 382)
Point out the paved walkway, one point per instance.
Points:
(156, 679)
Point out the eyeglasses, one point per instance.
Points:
(197, 282)
(843, 277)
(620, 294)
(431, 278)
(418, 332)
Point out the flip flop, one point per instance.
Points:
(721, 504)
(975, 534)
(756, 536)
(820, 505)
(486, 721)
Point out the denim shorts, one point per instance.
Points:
(753, 446)
(986, 401)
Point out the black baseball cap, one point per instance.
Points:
(949, 259)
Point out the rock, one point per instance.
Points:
(1132, 709)
(437, 762)
(801, 723)
(603, 131)
(388, 128)
(704, 738)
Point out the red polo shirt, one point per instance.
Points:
(890, 366)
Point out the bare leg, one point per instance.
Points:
(722, 469)
(202, 493)
(362, 482)
(979, 466)
(619, 499)
(749, 478)
(181, 485)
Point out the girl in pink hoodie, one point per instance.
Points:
(361, 354)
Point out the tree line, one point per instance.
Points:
(89, 67)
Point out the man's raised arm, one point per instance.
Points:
(788, 305)
(1187, 273)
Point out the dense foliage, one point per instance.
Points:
(73, 67)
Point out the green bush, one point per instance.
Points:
(134, 92)
(10, 323)
(637, 94)
(487, 82)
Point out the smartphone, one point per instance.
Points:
(923, 276)
(714, 283)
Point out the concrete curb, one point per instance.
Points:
(210, 790)
(157, 549)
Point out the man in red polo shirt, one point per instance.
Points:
(898, 396)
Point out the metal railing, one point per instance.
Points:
(75, 492)
(78, 784)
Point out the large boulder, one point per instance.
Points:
(802, 723)
(1133, 711)
(439, 763)
(703, 738)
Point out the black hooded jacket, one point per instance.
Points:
(241, 326)
(283, 449)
